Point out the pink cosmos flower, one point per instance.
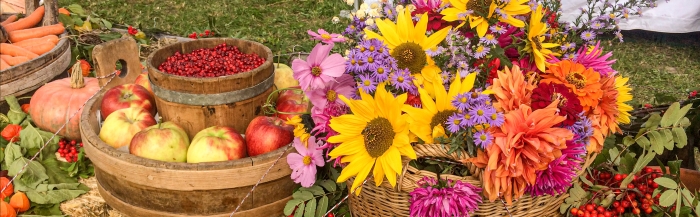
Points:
(304, 162)
(319, 68)
(330, 94)
(325, 37)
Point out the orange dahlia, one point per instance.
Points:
(526, 143)
(511, 89)
(585, 83)
(607, 107)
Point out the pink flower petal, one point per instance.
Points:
(318, 54)
(309, 176)
(333, 66)
(295, 160)
(318, 98)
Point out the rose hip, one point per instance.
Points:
(222, 60)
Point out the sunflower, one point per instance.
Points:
(535, 40)
(375, 136)
(623, 96)
(299, 129)
(584, 82)
(428, 122)
(478, 13)
(408, 44)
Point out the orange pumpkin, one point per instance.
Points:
(56, 102)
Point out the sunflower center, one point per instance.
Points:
(331, 95)
(577, 79)
(480, 7)
(537, 42)
(411, 56)
(316, 71)
(325, 36)
(379, 135)
(307, 160)
(441, 118)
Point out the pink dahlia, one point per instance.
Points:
(319, 68)
(448, 198)
(558, 176)
(592, 59)
(304, 162)
(329, 95)
(432, 7)
(325, 37)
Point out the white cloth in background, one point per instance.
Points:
(674, 16)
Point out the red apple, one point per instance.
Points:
(121, 126)
(125, 96)
(265, 134)
(142, 80)
(164, 142)
(216, 144)
(291, 103)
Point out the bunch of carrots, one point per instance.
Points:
(27, 41)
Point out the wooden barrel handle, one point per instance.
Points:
(50, 12)
(105, 57)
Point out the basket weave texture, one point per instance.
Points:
(387, 201)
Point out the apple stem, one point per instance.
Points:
(160, 121)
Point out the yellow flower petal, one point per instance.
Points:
(435, 38)
(389, 32)
(351, 147)
(361, 176)
(390, 173)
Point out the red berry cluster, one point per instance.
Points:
(221, 60)
(206, 33)
(69, 149)
(693, 94)
(132, 30)
(637, 197)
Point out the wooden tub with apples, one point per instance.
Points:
(139, 186)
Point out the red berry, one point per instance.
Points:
(654, 185)
(630, 186)
(580, 213)
(616, 204)
(620, 210)
(647, 105)
(636, 211)
(574, 211)
(331, 215)
(600, 209)
(590, 207)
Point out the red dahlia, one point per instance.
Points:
(569, 105)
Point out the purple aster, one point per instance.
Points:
(403, 81)
(381, 73)
(496, 119)
(461, 101)
(436, 51)
(497, 29)
(446, 77)
(594, 59)
(569, 56)
(467, 119)
(582, 129)
(455, 198)
(597, 25)
(480, 51)
(483, 138)
(367, 84)
(352, 64)
(481, 113)
(475, 97)
(588, 35)
(390, 11)
(454, 123)
(356, 28)
(371, 60)
(557, 178)
(489, 39)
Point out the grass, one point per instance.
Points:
(657, 63)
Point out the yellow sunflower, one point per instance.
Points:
(540, 51)
(375, 136)
(475, 10)
(427, 122)
(408, 43)
(299, 129)
(623, 95)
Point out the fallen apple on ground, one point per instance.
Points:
(216, 144)
(164, 142)
(125, 96)
(265, 134)
(121, 126)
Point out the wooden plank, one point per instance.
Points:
(30, 5)
(106, 55)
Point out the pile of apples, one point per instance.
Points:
(129, 125)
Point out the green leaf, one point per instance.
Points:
(33, 175)
(109, 36)
(666, 182)
(586, 181)
(329, 185)
(55, 173)
(563, 207)
(687, 197)
(16, 115)
(627, 163)
(77, 21)
(12, 153)
(679, 137)
(315, 189)
(66, 20)
(668, 197)
(670, 115)
(291, 204)
(613, 154)
(303, 195)
(643, 142)
(681, 115)
(657, 144)
(652, 122)
(685, 122)
(45, 209)
(76, 9)
(32, 137)
(107, 24)
(310, 210)
(322, 206)
(300, 210)
(628, 140)
(661, 166)
(655, 192)
(675, 167)
(668, 139)
(54, 196)
(678, 204)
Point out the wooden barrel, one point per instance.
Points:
(29, 76)
(142, 187)
(198, 103)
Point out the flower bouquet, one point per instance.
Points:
(452, 108)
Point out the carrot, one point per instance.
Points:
(3, 65)
(29, 42)
(14, 51)
(28, 21)
(37, 32)
(13, 61)
(63, 11)
(9, 20)
(40, 48)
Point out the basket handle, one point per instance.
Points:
(106, 55)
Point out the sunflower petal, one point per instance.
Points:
(350, 147)
(393, 158)
(435, 38)
(361, 176)
(390, 173)
(389, 31)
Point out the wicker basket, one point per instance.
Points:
(387, 201)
